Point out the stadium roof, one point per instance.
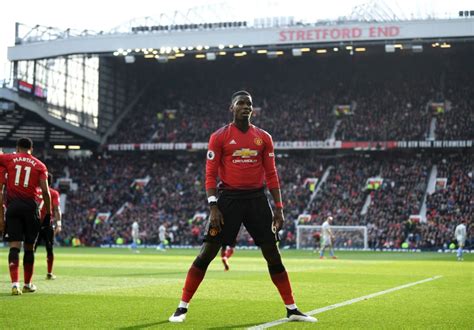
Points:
(225, 38)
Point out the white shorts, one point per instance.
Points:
(162, 237)
(461, 241)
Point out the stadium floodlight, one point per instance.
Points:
(211, 56)
(417, 48)
(183, 48)
(262, 51)
(200, 56)
(240, 45)
(199, 47)
(59, 147)
(231, 46)
(296, 52)
(399, 46)
(221, 46)
(206, 47)
(74, 147)
(304, 50)
(240, 54)
(137, 50)
(222, 53)
(190, 48)
(445, 45)
(129, 59)
(116, 53)
(360, 49)
(179, 55)
(321, 51)
(349, 47)
(390, 48)
(335, 49)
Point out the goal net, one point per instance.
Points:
(345, 237)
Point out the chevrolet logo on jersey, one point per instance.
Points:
(245, 153)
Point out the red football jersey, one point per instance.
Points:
(3, 179)
(3, 174)
(54, 201)
(242, 160)
(24, 173)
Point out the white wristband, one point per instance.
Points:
(212, 199)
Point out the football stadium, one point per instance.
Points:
(206, 169)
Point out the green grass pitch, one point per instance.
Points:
(117, 289)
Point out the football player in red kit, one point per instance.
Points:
(50, 228)
(24, 173)
(242, 156)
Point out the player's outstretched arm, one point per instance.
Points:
(278, 217)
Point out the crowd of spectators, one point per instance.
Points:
(172, 194)
(457, 123)
(399, 197)
(388, 98)
(450, 204)
(187, 108)
(343, 194)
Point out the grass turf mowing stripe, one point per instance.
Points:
(345, 303)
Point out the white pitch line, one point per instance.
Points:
(345, 303)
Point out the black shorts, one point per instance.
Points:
(46, 234)
(22, 221)
(249, 207)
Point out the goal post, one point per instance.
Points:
(346, 237)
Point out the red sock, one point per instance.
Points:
(13, 265)
(282, 282)
(28, 270)
(229, 252)
(223, 252)
(193, 279)
(50, 260)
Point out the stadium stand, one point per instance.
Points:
(389, 99)
(174, 195)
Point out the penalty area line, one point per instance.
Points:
(347, 302)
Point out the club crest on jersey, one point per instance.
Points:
(245, 153)
(258, 141)
(213, 232)
(210, 155)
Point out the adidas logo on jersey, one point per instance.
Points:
(232, 142)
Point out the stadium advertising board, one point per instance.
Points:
(306, 145)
